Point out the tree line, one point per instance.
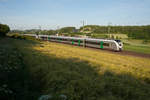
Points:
(136, 32)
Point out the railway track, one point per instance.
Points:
(126, 53)
(131, 53)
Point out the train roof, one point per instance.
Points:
(77, 38)
(88, 39)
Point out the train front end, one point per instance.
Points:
(120, 45)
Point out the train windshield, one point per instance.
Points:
(118, 41)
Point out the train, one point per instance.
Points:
(109, 44)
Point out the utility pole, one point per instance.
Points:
(39, 27)
(39, 31)
(109, 28)
(83, 22)
(57, 30)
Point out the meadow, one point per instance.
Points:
(136, 45)
(138, 49)
(84, 74)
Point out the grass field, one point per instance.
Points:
(136, 42)
(120, 36)
(138, 49)
(15, 79)
(84, 74)
(136, 45)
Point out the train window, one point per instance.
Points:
(53, 38)
(59, 39)
(105, 44)
(97, 43)
(64, 39)
(43, 38)
(91, 42)
(77, 40)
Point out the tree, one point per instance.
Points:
(117, 37)
(112, 37)
(68, 30)
(4, 29)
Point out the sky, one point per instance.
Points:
(54, 14)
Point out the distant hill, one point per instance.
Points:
(140, 32)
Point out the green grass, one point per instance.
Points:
(79, 73)
(84, 74)
(122, 36)
(136, 42)
(98, 35)
(11, 71)
(16, 82)
(136, 45)
(138, 49)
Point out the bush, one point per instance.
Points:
(3, 30)
(22, 37)
(117, 37)
(112, 37)
(99, 36)
(145, 41)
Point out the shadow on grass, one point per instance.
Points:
(15, 79)
(78, 80)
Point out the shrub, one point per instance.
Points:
(3, 30)
(145, 41)
(112, 37)
(117, 37)
(22, 37)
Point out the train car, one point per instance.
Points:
(115, 45)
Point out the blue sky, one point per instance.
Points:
(49, 14)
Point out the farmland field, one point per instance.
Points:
(138, 49)
(85, 74)
(136, 45)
